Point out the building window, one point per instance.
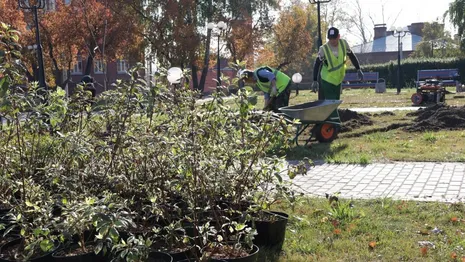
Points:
(99, 66)
(77, 69)
(122, 66)
(50, 5)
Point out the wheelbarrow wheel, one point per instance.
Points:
(326, 133)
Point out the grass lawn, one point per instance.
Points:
(374, 230)
(371, 144)
(374, 143)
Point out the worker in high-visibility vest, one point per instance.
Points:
(275, 85)
(332, 58)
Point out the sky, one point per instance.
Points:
(406, 12)
(398, 13)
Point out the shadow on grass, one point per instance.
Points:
(268, 255)
(316, 151)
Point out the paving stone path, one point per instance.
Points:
(399, 180)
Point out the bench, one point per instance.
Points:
(370, 79)
(448, 77)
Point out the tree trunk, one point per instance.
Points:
(194, 77)
(90, 61)
(207, 51)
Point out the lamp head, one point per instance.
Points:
(297, 78)
(174, 75)
(221, 25)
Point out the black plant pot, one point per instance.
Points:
(271, 232)
(46, 257)
(156, 256)
(252, 257)
(181, 255)
(61, 255)
(8, 238)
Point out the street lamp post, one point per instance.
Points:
(320, 40)
(39, 4)
(297, 78)
(399, 33)
(221, 26)
(318, 8)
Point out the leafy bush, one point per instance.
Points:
(133, 160)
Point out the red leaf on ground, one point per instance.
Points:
(424, 251)
(454, 219)
(453, 255)
(337, 231)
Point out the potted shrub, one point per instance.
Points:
(78, 231)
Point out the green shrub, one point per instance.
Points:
(410, 67)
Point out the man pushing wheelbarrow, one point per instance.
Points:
(321, 115)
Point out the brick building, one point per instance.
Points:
(103, 77)
(384, 46)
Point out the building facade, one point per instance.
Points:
(385, 45)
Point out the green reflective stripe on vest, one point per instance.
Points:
(282, 80)
(334, 70)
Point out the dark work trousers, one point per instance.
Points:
(332, 92)
(282, 99)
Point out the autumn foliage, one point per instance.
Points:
(293, 39)
(90, 28)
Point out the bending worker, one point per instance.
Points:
(333, 56)
(275, 85)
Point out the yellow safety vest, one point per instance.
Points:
(282, 80)
(335, 69)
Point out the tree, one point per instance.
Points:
(10, 15)
(436, 41)
(457, 18)
(87, 27)
(294, 36)
(176, 31)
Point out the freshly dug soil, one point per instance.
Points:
(353, 120)
(438, 117)
(385, 113)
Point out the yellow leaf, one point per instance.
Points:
(372, 244)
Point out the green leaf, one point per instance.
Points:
(114, 234)
(46, 245)
(98, 247)
(240, 227)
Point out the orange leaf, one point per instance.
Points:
(453, 255)
(337, 231)
(454, 219)
(424, 251)
(463, 259)
(372, 244)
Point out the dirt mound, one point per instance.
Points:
(352, 120)
(385, 113)
(438, 117)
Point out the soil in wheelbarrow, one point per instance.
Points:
(437, 117)
(352, 120)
